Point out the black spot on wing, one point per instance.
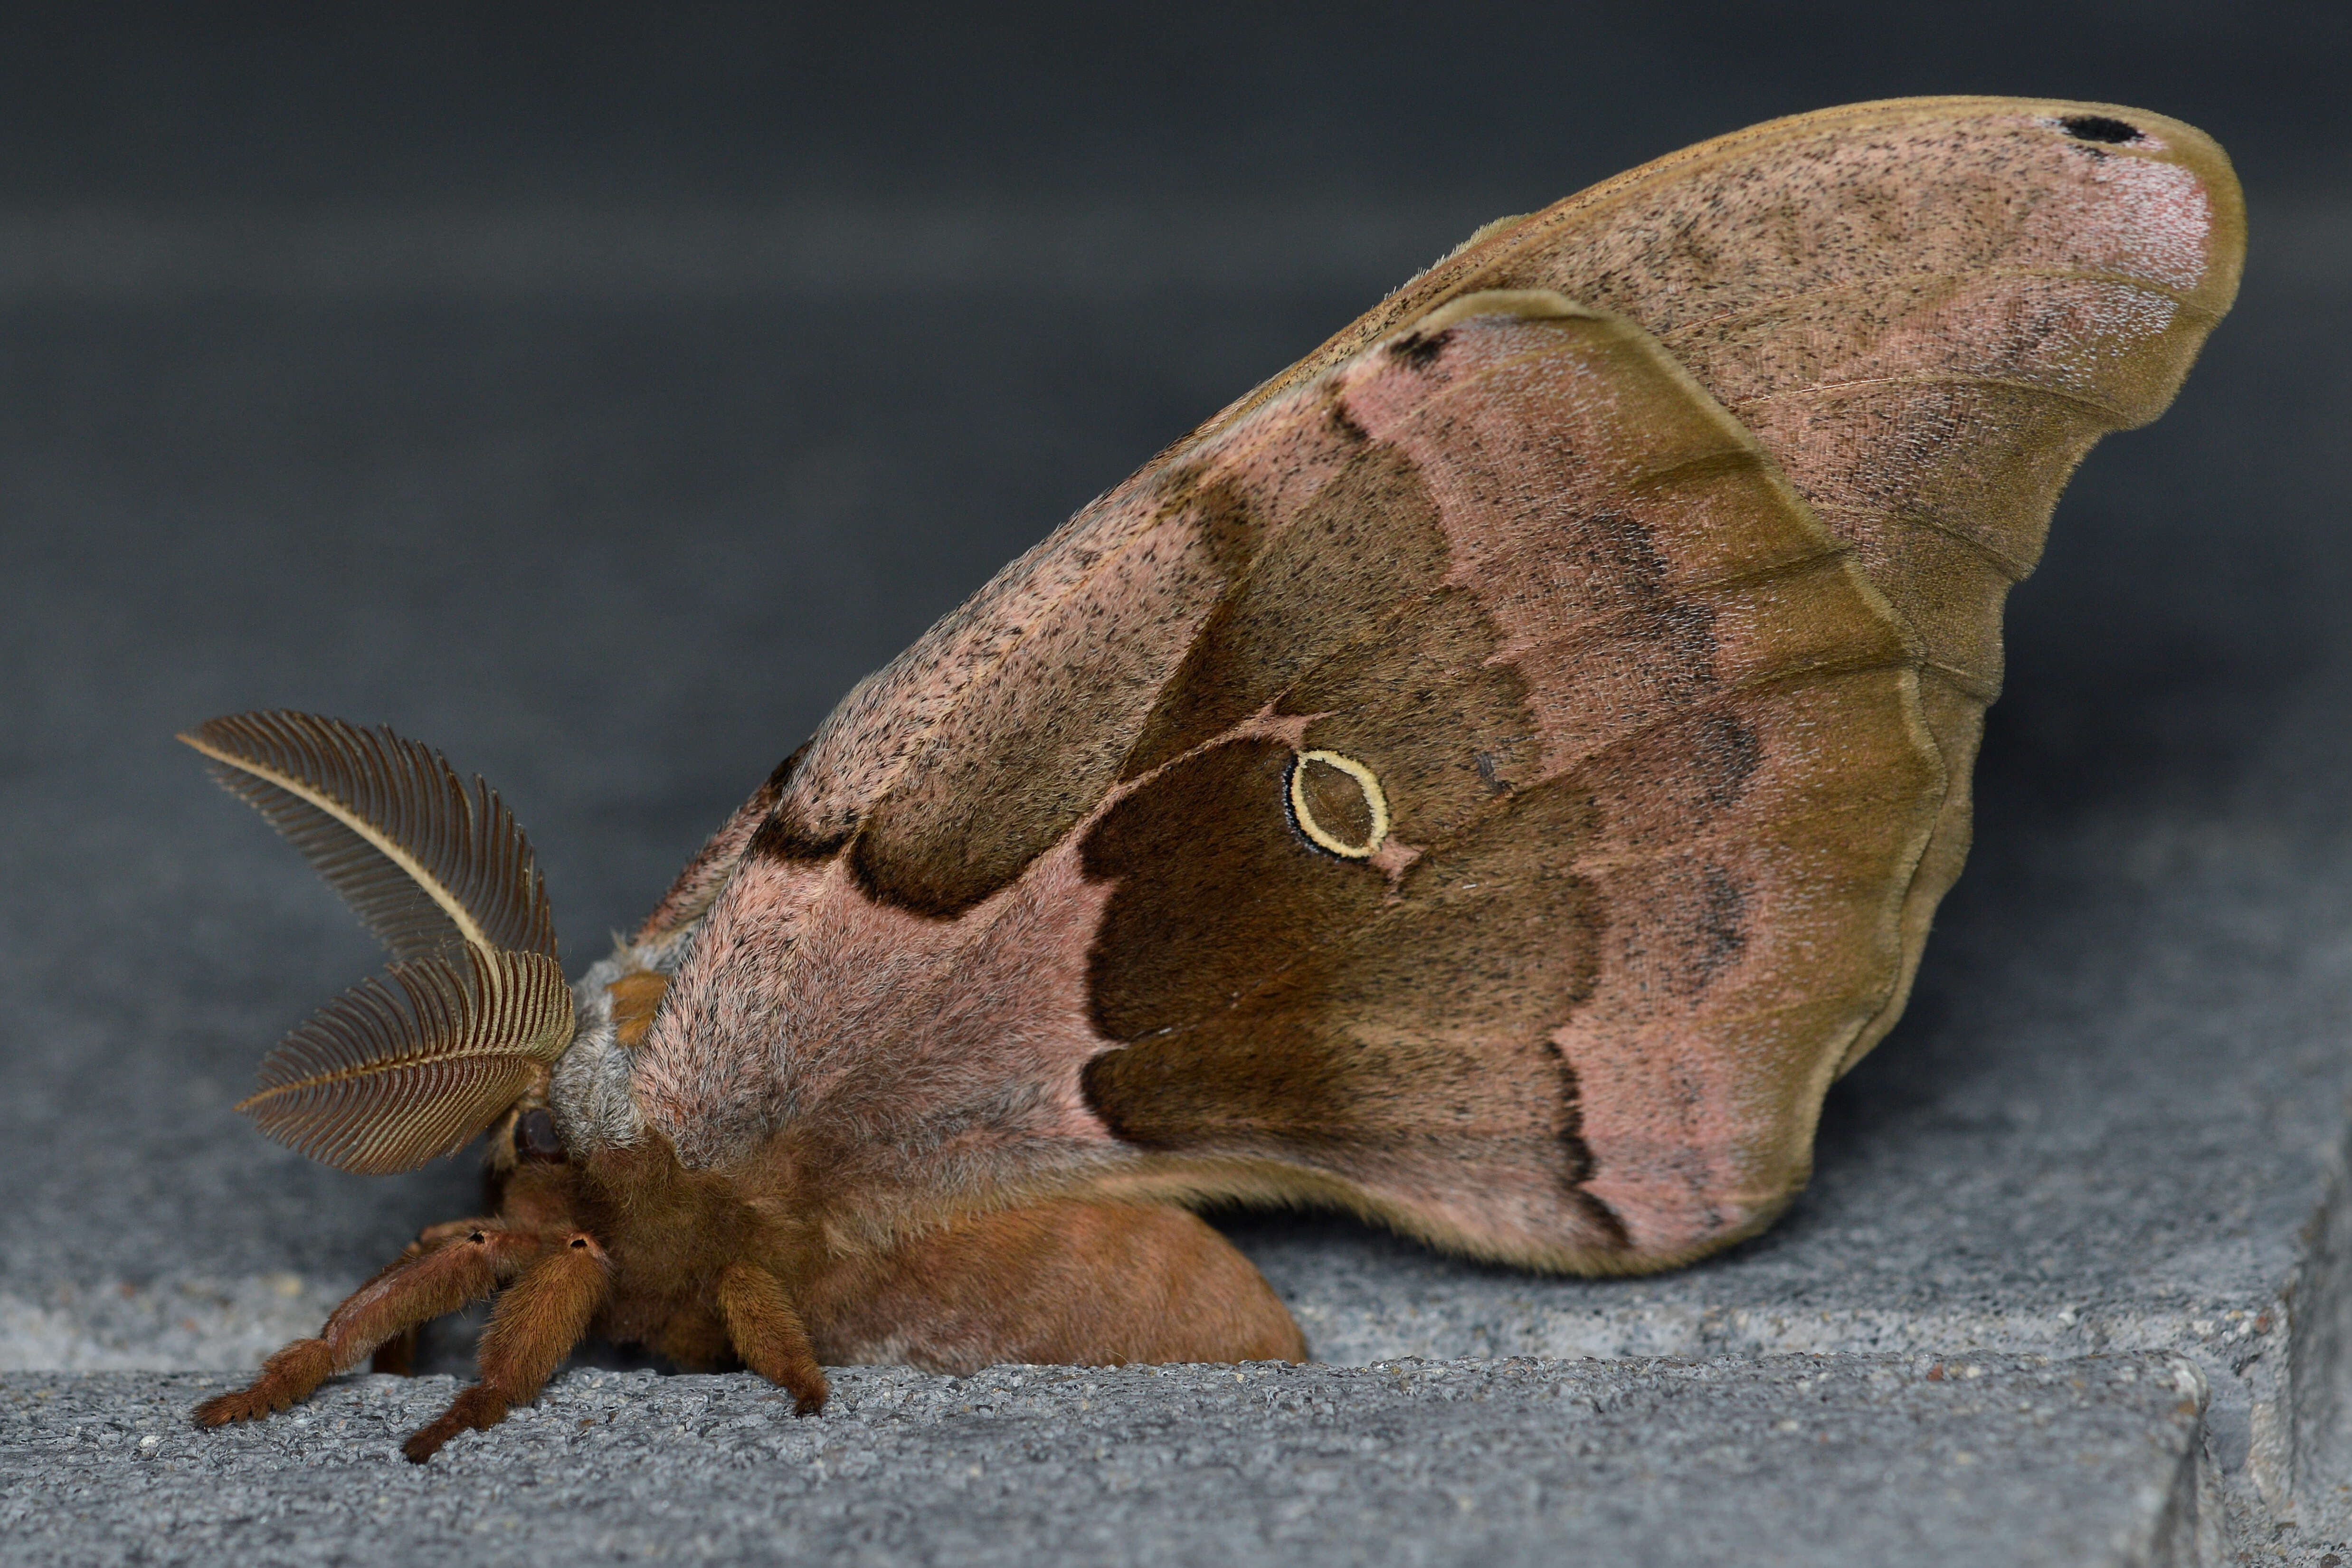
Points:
(1416, 352)
(785, 836)
(1726, 753)
(2099, 128)
(1623, 547)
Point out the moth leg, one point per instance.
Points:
(422, 1283)
(534, 1326)
(769, 1335)
(397, 1355)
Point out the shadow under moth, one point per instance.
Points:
(1492, 778)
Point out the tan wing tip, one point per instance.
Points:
(2126, 130)
(2153, 136)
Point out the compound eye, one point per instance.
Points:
(535, 1139)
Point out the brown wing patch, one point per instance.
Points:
(1212, 889)
(1280, 1005)
(1420, 701)
(1594, 726)
(1330, 577)
(866, 743)
(1022, 706)
(999, 783)
(1928, 309)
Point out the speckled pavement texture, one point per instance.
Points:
(611, 503)
(1787, 1460)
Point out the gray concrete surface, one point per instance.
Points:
(1793, 1460)
(619, 547)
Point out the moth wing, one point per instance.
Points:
(1928, 309)
(1641, 774)
(913, 950)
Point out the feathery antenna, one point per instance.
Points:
(385, 1076)
(390, 1073)
(425, 860)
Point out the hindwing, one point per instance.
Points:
(1926, 310)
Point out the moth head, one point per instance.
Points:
(461, 1031)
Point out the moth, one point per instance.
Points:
(1490, 779)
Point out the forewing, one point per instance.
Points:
(1927, 311)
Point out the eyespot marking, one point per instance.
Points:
(2098, 128)
(1337, 803)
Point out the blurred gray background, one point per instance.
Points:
(596, 391)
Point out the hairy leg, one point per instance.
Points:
(769, 1335)
(534, 1326)
(423, 1283)
(397, 1355)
